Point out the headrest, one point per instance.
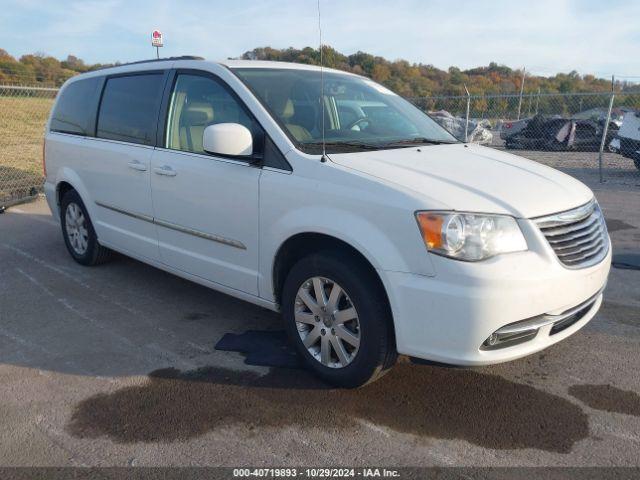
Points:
(198, 114)
(288, 111)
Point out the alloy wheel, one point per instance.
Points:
(76, 226)
(327, 322)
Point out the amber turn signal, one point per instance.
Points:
(431, 228)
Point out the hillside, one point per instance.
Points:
(407, 79)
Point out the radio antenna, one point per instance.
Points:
(324, 151)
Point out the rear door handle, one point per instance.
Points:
(165, 170)
(136, 165)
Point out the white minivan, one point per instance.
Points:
(331, 199)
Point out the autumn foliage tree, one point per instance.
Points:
(405, 78)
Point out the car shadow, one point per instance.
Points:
(607, 398)
(424, 401)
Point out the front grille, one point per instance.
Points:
(578, 237)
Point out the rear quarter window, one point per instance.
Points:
(76, 108)
(129, 108)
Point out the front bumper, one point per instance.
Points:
(447, 318)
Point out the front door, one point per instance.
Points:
(205, 206)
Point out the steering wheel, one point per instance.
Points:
(358, 121)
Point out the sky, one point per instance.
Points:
(544, 36)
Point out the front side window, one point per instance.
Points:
(359, 114)
(196, 102)
(129, 108)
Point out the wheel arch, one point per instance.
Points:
(61, 189)
(66, 180)
(303, 244)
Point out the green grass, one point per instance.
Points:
(22, 122)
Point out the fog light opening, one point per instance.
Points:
(502, 340)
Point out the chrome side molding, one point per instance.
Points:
(179, 228)
(139, 216)
(197, 233)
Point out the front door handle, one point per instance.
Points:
(165, 170)
(136, 165)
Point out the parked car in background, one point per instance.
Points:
(600, 115)
(560, 134)
(629, 137)
(614, 145)
(588, 134)
(478, 131)
(335, 201)
(511, 127)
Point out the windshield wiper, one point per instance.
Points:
(347, 144)
(350, 145)
(415, 141)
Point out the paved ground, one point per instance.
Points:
(115, 365)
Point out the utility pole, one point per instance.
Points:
(466, 124)
(521, 91)
(605, 129)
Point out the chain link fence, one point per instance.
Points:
(592, 136)
(23, 114)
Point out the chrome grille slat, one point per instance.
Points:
(578, 262)
(578, 237)
(557, 243)
(584, 258)
(573, 227)
(577, 255)
(589, 248)
(565, 218)
(578, 241)
(576, 246)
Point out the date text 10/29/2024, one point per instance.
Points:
(316, 472)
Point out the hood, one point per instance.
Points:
(473, 178)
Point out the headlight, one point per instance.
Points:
(470, 236)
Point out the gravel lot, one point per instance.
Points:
(115, 365)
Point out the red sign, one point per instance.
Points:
(156, 38)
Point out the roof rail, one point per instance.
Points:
(183, 57)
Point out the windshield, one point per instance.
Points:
(359, 114)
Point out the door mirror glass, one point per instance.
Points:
(228, 139)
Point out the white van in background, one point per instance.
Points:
(397, 240)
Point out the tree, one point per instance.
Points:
(407, 79)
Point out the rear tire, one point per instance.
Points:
(78, 233)
(353, 325)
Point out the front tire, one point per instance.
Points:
(79, 236)
(338, 318)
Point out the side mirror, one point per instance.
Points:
(230, 139)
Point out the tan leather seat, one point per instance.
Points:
(286, 111)
(300, 133)
(194, 119)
